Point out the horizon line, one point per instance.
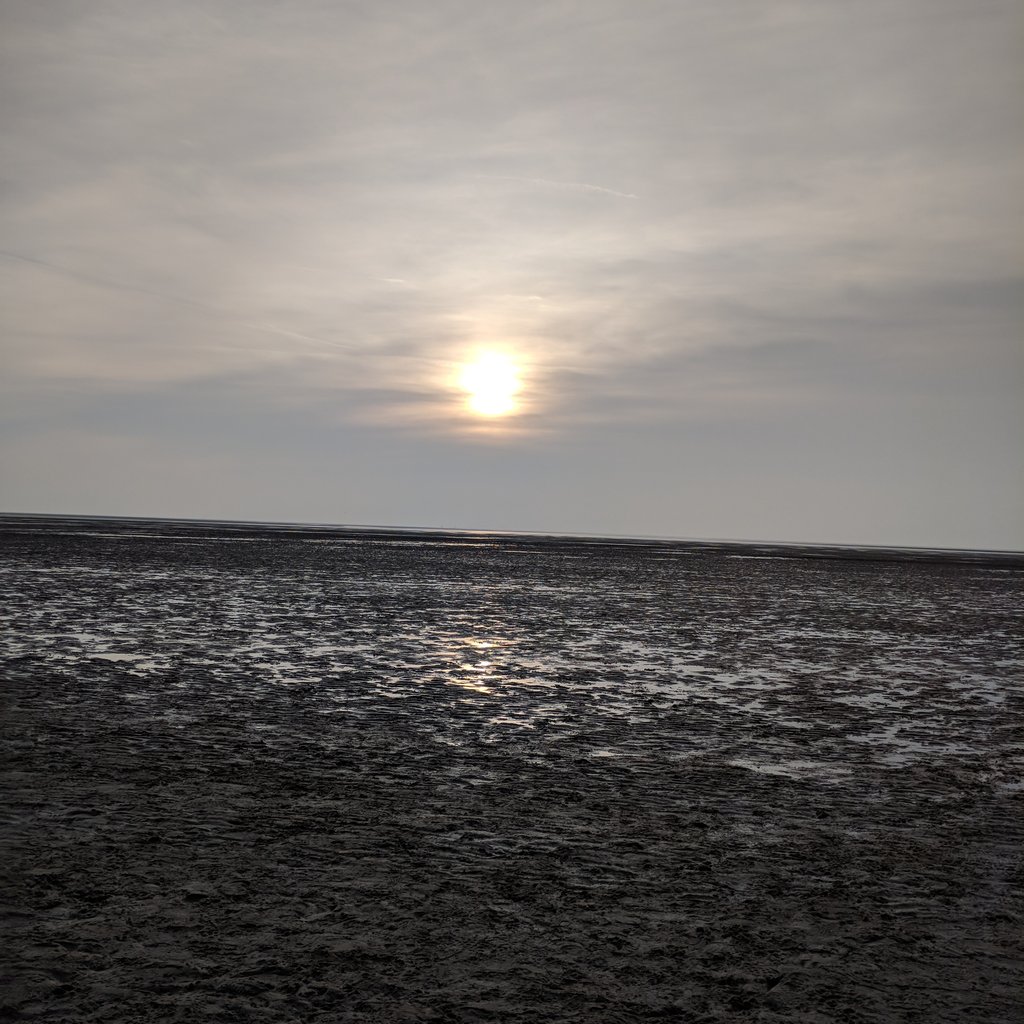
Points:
(606, 537)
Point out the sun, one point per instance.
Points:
(491, 383)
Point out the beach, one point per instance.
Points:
(260, 773)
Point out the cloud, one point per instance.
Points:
(674, 212)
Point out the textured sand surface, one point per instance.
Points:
(303, 776)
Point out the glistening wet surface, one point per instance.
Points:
(310, 774)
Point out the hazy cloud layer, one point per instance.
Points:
(762, 262)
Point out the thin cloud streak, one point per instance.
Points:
(558, 184)
(93, 279)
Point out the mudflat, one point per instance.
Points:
(313, 775)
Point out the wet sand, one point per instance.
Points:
(320, 776)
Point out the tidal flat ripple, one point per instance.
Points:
(312, 774)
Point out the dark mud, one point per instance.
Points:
(314, 776)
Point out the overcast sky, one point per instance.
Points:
(759, 261)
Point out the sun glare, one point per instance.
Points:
(491, 382)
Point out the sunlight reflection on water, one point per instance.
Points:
(609, 650)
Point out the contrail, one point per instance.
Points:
(559, 184)
(206, 307)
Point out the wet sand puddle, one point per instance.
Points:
(278, 777)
